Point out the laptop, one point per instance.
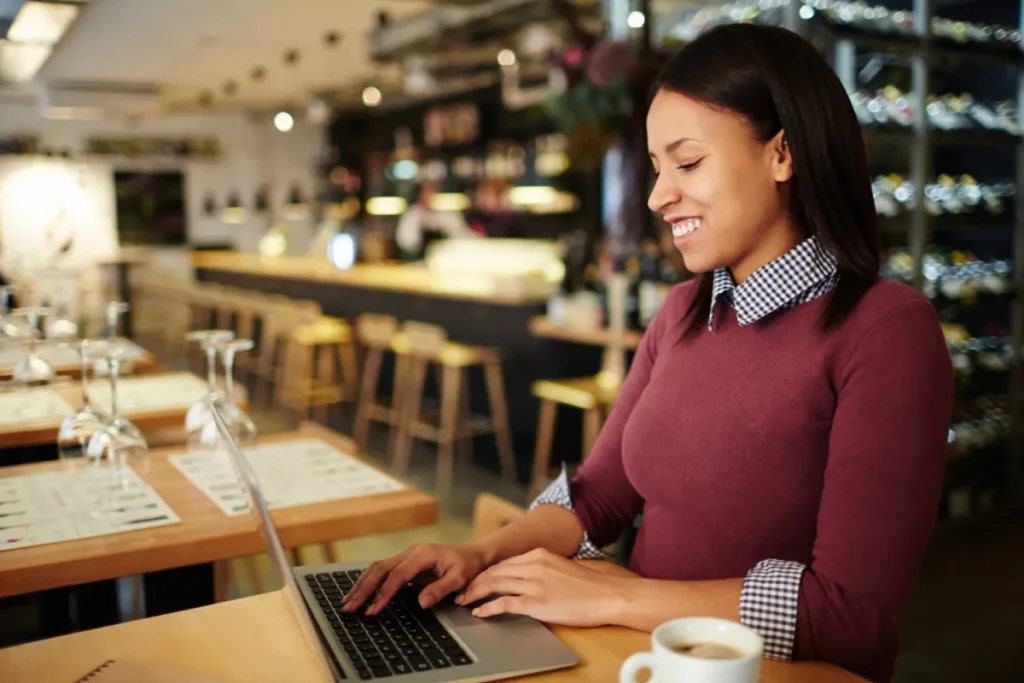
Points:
(404, 642)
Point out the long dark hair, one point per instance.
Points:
(778, 81)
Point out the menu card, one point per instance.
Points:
(50, 507)
(150, 393)
(290, 473)
(34, 405)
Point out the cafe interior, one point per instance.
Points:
(404, 245)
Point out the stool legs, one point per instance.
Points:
(542, 453)
(499, 417)
(367, 396)
(451, 384)
(415, 371)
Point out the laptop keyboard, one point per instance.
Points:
(404, 638)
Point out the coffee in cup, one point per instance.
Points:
(699, 649)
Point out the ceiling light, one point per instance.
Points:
(41, 22)
(806, 12)
(283, 121)
(318, 111)
(386, 206)
(506, 57)
(636, 19)
(372, 96)
(19, 62)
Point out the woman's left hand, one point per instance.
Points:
(547, 587)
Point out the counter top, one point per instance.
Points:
(413, 278)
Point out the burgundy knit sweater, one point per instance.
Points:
(775, 441)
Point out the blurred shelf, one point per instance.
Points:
(886, 134)
(976, 220)
(939, 47)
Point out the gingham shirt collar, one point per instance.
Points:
(801, 274)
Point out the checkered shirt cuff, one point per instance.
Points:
(557, 493)
(768, 604)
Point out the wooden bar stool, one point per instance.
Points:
(321, 368)
(375, 334)
(424, 345)
(589, 394)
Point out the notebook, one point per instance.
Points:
(129, 672)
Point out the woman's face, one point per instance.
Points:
(719, 187)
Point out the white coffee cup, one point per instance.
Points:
(669, 666)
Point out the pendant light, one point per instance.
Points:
(233, 211)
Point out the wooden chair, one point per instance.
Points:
(375, 334)
(321, 368)
(423, 345)
(491, 513)
(588, 394)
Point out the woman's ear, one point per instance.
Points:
(782, 158)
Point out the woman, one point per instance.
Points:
(783, 426)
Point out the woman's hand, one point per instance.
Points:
(454, 566)
(546, 587)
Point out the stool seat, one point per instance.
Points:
(450, 354)
(582, 392)
(325, 330)
(593, 395)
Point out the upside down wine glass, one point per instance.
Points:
(32, 369)
(238, 422)
(78, 428)
(119, 442)
(199, 424)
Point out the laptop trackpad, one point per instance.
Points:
(461, 617)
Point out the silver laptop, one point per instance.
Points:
(445, 643)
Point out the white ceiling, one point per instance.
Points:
(186, 47)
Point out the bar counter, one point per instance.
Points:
(472, 312)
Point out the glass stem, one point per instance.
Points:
(229, 374)
(211, 367)
(85, 376)
(115, 367)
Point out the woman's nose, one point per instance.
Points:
(663, 194)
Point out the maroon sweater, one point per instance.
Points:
(777, 441)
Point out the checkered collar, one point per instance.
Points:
(799, 275)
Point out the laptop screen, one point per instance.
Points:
(272, 542)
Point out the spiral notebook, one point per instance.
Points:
(129, 672)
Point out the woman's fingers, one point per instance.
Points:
(368, 582)
(450, 581)
(497, 585)
(400, 575)
(481, 587)
(508, 604)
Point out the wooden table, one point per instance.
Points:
(615, 342)
(65, 361)
(44, 431)
(205, 533)
(258, 640)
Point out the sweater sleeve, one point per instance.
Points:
(882, 486)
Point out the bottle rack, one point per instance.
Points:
(980, 303)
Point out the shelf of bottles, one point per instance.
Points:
(938, 98)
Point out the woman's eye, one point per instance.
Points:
(690, 166)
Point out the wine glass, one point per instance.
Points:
(115, 309)
(78, 428)
(33, 369)
(238, 422)
(199, 425)
(118, 442)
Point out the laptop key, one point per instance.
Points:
(401, 668)
(410, 651)
(452, 650)
(381, 672)
(461, 660)
(323, 578)
(419, 664)
(439, 661)
(365, 675)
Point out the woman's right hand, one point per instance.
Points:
(454, 566)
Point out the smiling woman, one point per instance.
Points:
(782, 429)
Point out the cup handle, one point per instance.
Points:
(632, 666)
